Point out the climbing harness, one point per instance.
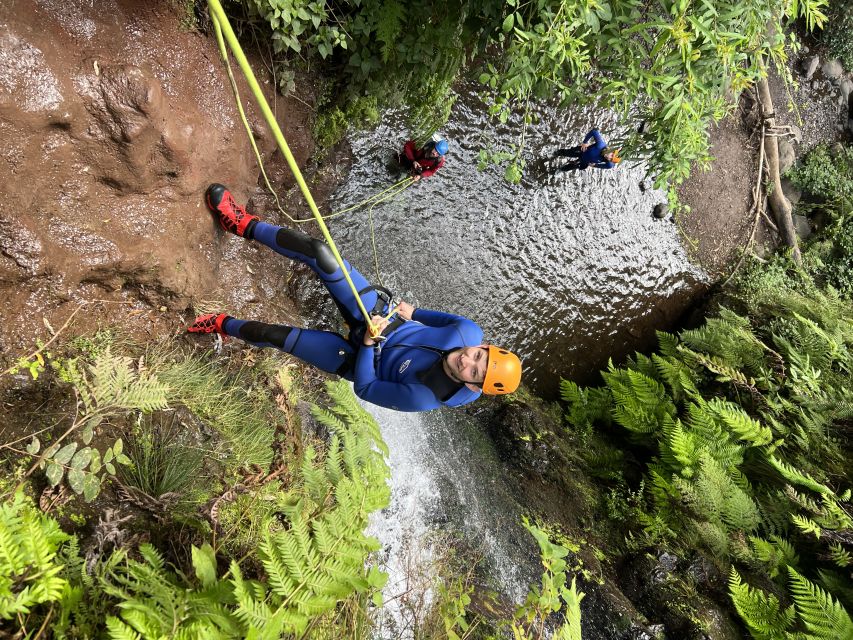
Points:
(224, 33)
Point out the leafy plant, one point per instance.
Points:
(160, 462)
(552, 596)
(86, 468)
(232, 404)
(837, 35)
(29, 567)
(822, 617)
(742, 422)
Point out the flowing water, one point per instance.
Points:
(567, 269)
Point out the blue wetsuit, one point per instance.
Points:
(590, 157)
(405, 374)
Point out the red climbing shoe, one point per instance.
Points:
(208, 323)
(232, 217)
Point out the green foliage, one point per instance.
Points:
(332, 120)
(640, 403)
(234, 405)
(827, 175)
(744, 422)
(837, 35)
(823, 616)
(292, 585)
(762, 613)
(29, 567)
(108, 387)
(161, 462)
(552, 596)
(677, 65)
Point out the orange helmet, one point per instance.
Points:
(503, 372)
(616, 158)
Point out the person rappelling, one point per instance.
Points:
(425, 161)
(587, 154)
(405, 359)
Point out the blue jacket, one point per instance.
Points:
(592, 156)
(391, 379)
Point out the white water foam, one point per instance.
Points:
(403, 527)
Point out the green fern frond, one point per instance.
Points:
(678, 448)
(806, 525)
(29, 568)
(739, 423)
(761, 612)
(822, 615)
(840, 556)
(790, 473)
(678, 376)
(116, 384)
(640, 402)
(389, 26)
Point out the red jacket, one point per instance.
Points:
(428, 165)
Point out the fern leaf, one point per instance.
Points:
(823, 616)
(797, 477)
(761, 612)
(806, 525)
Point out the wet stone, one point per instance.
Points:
(798, 133)
(660, 210)
(787, 157)
(832, 69)
(846, 89)
(792, 192)
(810, 65)
(802, 226)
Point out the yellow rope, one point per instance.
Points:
(400, 186)
(219, 18)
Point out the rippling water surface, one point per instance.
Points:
(567, 269)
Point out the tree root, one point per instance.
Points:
(778, 202)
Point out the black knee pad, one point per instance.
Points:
(325, 258)
(299, 242)
(262, 333)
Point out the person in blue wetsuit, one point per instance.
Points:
(588, 154)
(420, 361)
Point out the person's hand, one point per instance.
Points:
(416, 177)
(416, 165)
(405, 310)
(586, 146)
(379, 323)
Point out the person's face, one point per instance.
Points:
(433, 153)
(608, 156)
(467, 364)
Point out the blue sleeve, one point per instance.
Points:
(435, 318)
(604, 164)
(599, 141)
(469, 331)
(392, 395)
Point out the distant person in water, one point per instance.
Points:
(592, 152)
(425, 161)
(421, 360)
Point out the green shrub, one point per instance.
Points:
(30, 572)
(332, 122)
(827, 175)
(837, 36)
(162, 462)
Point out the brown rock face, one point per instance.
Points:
(113, 121)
